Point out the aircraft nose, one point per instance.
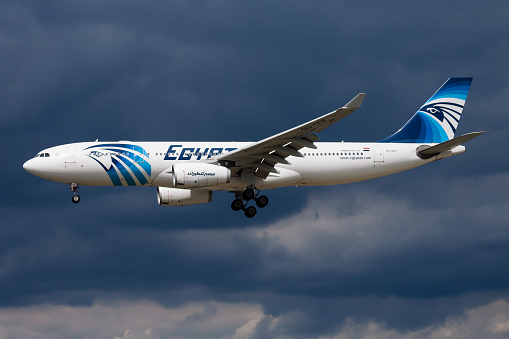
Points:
(27, 166)
(30, 167)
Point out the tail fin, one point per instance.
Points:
(436, 121)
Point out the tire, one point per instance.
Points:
(262, 201)
(76, 199)
(250, 211)
(237, 204)
(248, 194)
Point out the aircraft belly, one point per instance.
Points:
(337, 172)
(285, 177)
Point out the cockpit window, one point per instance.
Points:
(42, 155)
(46, 155)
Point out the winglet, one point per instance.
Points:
(355, 102)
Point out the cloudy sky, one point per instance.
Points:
(420, 254)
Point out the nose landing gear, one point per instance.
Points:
(75, 197)
(242, 199)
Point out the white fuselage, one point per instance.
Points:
(332, 163)
(186, 173)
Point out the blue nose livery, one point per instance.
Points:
(186, 173)
(129, 161)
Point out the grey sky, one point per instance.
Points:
(416, 254)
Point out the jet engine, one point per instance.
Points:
(190, 175)
(182, 197)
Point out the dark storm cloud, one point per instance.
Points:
(353, 247)
(235, 63)
(405, 252)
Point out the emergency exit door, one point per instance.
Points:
(70, 155)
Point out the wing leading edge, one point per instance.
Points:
(262, 156)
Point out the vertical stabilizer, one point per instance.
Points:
(436, 121)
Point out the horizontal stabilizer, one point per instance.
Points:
(448, 145)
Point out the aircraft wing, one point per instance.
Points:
(263, 155)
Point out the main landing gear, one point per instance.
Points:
(242, 199)
(75, 197)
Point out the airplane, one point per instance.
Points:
(186, 173)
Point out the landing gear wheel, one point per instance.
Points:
(248, 194)
(250, 211)
(262, 201)
(74, 189)
(237, 204)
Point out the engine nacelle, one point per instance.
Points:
(190, 175)
(182, 197)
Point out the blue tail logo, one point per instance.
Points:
(437, 120)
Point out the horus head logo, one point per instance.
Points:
(445, 112)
